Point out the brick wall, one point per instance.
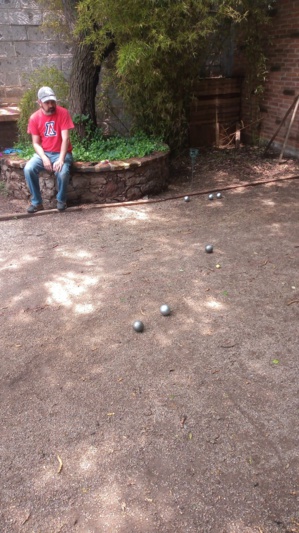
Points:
(25, 46)
(263, 116)
(282, 84)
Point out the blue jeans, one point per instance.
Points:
(35, 166)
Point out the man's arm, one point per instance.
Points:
(36, 142)
(65, 134)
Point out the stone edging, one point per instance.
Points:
(106, 181)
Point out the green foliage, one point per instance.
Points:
(45, 76)
(25, 148)
(96, 147)
(161, 46)
(115, 147)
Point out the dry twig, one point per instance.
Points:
(293, 302)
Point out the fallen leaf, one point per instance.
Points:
(26, 519)
(183, 420)
(60, 464)
(264, 263)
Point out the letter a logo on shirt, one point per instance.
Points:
(49, 129)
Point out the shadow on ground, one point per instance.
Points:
(191, 426)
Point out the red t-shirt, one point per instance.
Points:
(49, 128)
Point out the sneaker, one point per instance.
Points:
(61, 206)
(34, 208)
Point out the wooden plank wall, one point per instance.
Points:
(215, 111)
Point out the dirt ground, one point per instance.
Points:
(190, 426)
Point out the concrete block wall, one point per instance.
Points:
(26, 46)
(282, 84)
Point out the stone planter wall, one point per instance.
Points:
(109, 181)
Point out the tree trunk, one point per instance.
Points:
(84, 79)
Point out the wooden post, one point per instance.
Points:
(289, 129)
(216, 125)
(238, 135)
(280, 125)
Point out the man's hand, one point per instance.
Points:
(58, 165)
(47, 163)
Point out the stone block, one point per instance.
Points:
(15, 64)
(48, 195)
(21, 195)
(14, 92)
(29, 4)
(133, 193)
(12, 4)
(136, 179)
(49, 183)
(12, 33)
(58, 48)
(7, 49)
(31, 49)
(97, 181)
(15, 176)
(54, 61)
(37, 62)
(73, 195)
(70, 187)
(13, 78)
(87, 196)
(20, 17)
(38, 33)
(110, 188)
(80, 182)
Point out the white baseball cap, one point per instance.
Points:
(45, 94)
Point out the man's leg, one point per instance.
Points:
(63, 178)
(31, 172)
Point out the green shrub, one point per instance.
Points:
(45, 76)
(96, 147)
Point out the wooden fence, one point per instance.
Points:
(215, 111)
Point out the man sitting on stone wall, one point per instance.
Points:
(49, 127)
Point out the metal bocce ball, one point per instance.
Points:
(209, 248)
(165, 310)
(187, 199)
(211, 196)
(218, 195)
(138, 326)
